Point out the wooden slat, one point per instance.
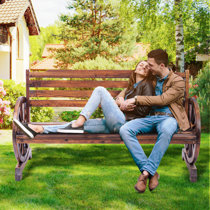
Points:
(187, 90)
(81, 74)
(78, 84)
(100, 139)
(27, 96)
(39, 73)
(66, 93)
(57, 103)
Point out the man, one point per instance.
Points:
(166, 116)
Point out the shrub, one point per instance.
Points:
(4, 105)
(14, 91)
(101, 63)
(41, 114)
(200, 89)
(68, 116)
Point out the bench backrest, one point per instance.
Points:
(72, 88)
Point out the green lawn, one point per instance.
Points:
(98, 177)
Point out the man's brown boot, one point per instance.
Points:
(141, 183)
(153, 181)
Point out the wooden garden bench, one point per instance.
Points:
(74, 80)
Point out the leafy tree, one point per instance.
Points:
(94, 29)
(157, 21)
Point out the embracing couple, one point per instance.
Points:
(152, 102)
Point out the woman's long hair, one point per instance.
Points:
(132, 79)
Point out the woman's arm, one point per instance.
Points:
(120, 97)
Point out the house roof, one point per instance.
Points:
(46, 51)
(12, 10)
(49, 62)
(45, 64)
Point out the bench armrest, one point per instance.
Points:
(20, 109)
(194, 116)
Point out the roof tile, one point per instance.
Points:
(11, 10)
(47, 63)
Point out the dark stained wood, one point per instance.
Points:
(58, 103)
(81, 74)
(87, 138)
(186, 90)
(21, 151)
(77, 84)
(190, 139)
(27, 96)
(66, 93)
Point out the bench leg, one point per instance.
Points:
(191, 167)
(189, 155)
(20, 166)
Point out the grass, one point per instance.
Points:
(98, 177)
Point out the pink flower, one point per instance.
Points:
(1, 120)
(1, 101)
(6, 102)
(195, 86)
(6, 113)
(1, 83)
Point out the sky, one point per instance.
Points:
(47, 11)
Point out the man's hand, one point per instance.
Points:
(128, 105)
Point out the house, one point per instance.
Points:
(17, 22)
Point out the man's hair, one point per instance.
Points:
(160, 56)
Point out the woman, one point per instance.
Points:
(116, 112)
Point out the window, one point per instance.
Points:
(3, 35)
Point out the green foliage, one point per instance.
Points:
(14, 90)
(110, 28)
(94, 29)
(47, 35)
(99, 63)
(156, 25)
(68, 116)
(41, 114)
(200, 89)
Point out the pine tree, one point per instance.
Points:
(94, 29)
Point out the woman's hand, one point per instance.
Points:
(128, 105)
(119, 101)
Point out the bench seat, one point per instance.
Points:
(87, 138)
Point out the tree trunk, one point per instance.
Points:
(179, 36)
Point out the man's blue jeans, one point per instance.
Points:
(114, 118)
(165, 126)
